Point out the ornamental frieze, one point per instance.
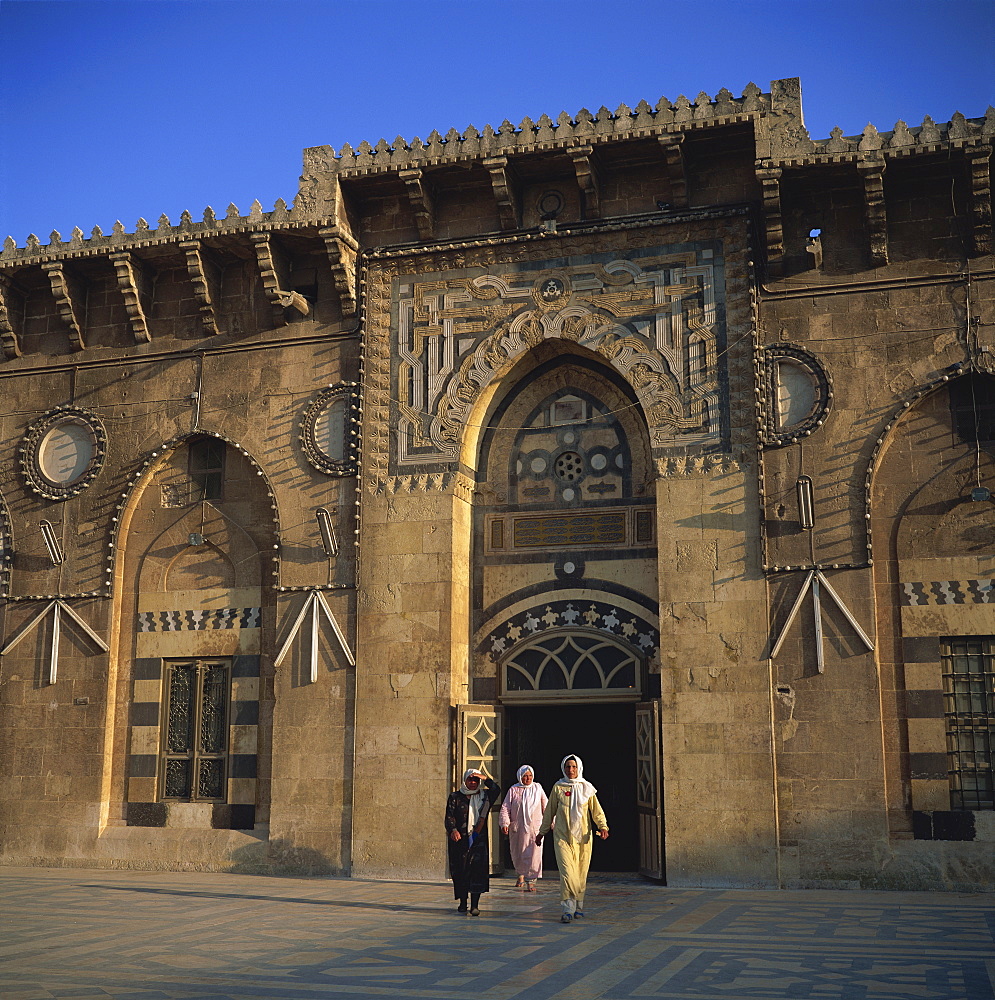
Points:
(439, 338)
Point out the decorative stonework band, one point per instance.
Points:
(199, 621)
(948, 592)
(635, 631)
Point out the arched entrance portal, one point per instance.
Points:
(564, 592)
(604, 737)
(574, 692)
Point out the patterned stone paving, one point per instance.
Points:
(74, 934)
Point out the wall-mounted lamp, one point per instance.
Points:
(52, 543)
(195, 538)
(981, 493)
(806, 505)
(329, 540)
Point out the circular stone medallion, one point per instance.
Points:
(326, 430)
(63, 452)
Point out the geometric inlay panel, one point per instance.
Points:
(655, 315)
(948, 592)
(198, 620)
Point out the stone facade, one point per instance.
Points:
(664, 436)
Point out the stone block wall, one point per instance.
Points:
(722, 303)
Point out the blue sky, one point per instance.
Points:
(115, 109)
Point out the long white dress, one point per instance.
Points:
(522, 813)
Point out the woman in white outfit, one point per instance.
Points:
(574, 815)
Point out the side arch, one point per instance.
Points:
(934, 573)
(193, 596)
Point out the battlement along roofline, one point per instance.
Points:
(784, 139)
(546, 133)
(781, 140)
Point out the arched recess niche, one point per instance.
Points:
(192, 605)
(934, 573)
(564, 501)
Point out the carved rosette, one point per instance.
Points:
(329, 430)
(63, 452)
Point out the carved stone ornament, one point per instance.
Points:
(330, 430)
(63, 452)
(656, 315)
(797, 396)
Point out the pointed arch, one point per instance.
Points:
(193, 594)
(140, 479)
(647, 373)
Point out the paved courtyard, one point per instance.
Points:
(75, 933)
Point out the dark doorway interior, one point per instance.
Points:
(604, 737)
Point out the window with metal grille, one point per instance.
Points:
(194, 757)
(969, 709)
(972, 402)
(207, 468)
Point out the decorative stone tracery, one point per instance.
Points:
(656, 315)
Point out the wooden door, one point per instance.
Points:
(649, 789)
(479, 745)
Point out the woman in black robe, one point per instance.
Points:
(466, 826)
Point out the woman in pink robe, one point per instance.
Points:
(520, 817)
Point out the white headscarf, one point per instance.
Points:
(476, 798)
(580, 792)
(532, 792)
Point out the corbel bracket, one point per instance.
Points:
(770, 182)
(870, 166)
(274, 273)
(421, 202)
(979, 165)
(135, 284)
(676, 172)
(504, 195)
(10, 309)
(342, 250)
(205, 276)
(587, 179)
(70, 294)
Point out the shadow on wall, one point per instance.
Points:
(281, 857)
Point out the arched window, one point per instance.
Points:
(572, 664)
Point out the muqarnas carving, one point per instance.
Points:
(63, 452)
(797, 397)
(656, 316)
(329, 431)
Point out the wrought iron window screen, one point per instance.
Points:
(195, 731)
(207, 468)
(571, 664)
(969, 710)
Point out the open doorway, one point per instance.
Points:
(604, 737)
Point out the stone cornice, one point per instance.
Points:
(100, 243)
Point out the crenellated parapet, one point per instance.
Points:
(128, 267)
(964, 143)
(566, 132)
(670, 139)
(959, 132)
(144, 235)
